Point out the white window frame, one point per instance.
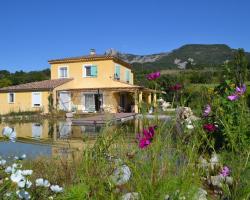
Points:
(59, 70)
(14, 97)
(32, 100)
(84, 74)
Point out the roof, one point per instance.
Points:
(90, 58)
(36, 86)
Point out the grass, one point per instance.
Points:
(169, 166)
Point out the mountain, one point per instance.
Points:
(196, 56)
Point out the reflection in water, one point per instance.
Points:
(19, 148)
(49, 138)
(37, 130)
(64, 130)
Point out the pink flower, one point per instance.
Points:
(209, 127)
(144, 142)
(175, 87)
(233, 97)
(147, 137)
(225, 171)
(239, 91)
(153, 76)
(207, 110)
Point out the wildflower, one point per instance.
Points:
(144, 142)
(24, 183)
(40, 182)
(207, 110)
(190, 126)
(209, 127)
(13, 168)
(26, 172)
(9, 133)
(17, 176)
(56, 188)
(22, 194)
(153, 76)
(2, 162)
(147, 137)
(239, 91)
(22, 157)
(225, 171)
(8, 170)
(175, 87)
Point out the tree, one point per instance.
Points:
(4, 82)
(239, 67)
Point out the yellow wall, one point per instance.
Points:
(23, 102)
(105, 75)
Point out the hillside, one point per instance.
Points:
(196, 56)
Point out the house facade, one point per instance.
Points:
(92, 83)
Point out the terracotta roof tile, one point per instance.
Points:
(90, 58)
(36, 86)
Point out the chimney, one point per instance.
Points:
(92, 52)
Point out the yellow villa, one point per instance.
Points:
(92, 83)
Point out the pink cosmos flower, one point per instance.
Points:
(153, 76)
(207, 110)
(239, 91)
(233, 97)
(175, 87)
(225, 171)
(147, 137)
(144, 142)
(209, 127)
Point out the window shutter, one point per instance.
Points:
(127, 76)
(94, 70)
(36, 99)
(117, 71)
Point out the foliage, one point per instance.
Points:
(20, 77)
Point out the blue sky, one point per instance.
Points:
(34, 31)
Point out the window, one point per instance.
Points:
(63, 72)
(11, 97)
(90, 71)
(36, 99)
(127, 76)
(117, 72)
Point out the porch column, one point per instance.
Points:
(155, 100)
(149, 98)
(138, 100)
(136, 108)
(140, 97)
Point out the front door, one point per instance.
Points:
(64, 101)
(89, 102)
(123, 102)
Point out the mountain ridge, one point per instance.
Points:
(196, 56)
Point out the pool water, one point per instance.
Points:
(56, 138)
